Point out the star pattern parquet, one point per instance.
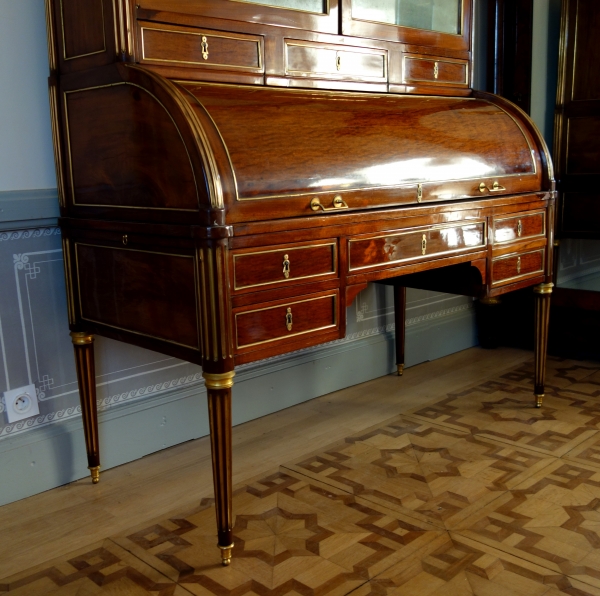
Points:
(477, 493)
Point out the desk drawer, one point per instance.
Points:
(518, 266)
(509, 229)
(420, 244)
(186, 46)
(289, 264)
(305, 59)
(258, 326)
(429, 69)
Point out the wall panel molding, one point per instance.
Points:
(28, 208)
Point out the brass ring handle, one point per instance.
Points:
(495, 187)
(286, 266)
(288, 319)
(204, 47)
(424, 244)
(338, 203)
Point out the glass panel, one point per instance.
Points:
(432, 15)
(318, 6)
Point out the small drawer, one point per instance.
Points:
(305, 59)
(516, 267)
(509, 229)
(284, 265)
(395, 248)
(185, 46)
(429, 69)
(258, 326)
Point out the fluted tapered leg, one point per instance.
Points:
(543, 294)
(218, 388)
(400, 324)
(83, 343)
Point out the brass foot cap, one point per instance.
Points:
(538, 400)
(95, 473)
(226, 554)
(400, 369)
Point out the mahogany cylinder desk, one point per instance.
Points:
(232, 173)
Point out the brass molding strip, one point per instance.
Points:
(80, 338)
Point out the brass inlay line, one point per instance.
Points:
(221, 256)
(213, 305)
(116, 25)
(257, 41)
(521, 217)
(129, 28)
(205, 317)
(70, 158)
(66, 243)
(77, 244)
(266, 341)
(58, 158)
(476, 224)
(288, 250)
(52, 61)
(507, 280)
(436, 70)
(62, 22)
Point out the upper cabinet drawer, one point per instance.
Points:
(429, 69)
(189, 47)
(509, 229)
(257, 268)
(306, 59)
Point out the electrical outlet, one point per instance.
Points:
(21, 403)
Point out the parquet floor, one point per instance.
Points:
(473, 492)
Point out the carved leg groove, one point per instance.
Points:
(218, 387)
(542, 318)
(400, 322)
(83, 344)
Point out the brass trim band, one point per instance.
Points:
(219, 381)
(80, 338)
(544, 288)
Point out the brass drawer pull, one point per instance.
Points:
(424, 244)
(519, 228)
(286, 266)
(338, 62)
(436, 70)
(518, 264)
(338, 203)
(288, 319)
(495, 187)
(204, 47)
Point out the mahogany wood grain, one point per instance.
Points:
(509, 229)
(264, 323)
(288, 264)
(518, 266)
(435, 70)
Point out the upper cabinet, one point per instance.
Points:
(312, 15)
(439, 23)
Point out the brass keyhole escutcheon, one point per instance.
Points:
(204, 47)
(338, 62)
(518, 264)
(125, 240)
(419, 193)
(424, 244)
(286, 266)
(436, 70)
(288, 319)
(519, 229)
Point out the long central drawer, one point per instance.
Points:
(420, 243)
